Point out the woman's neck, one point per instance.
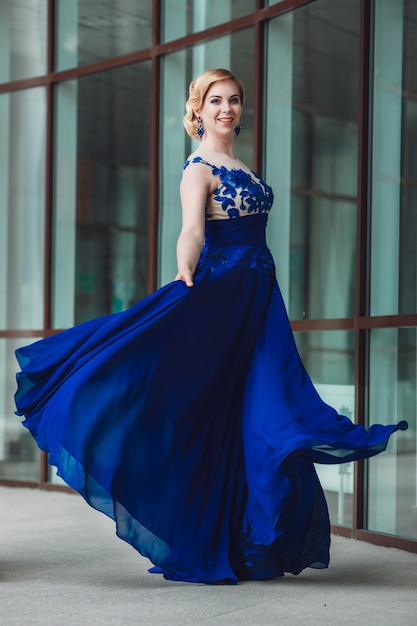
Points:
(218, 148)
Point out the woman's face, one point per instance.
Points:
(222, 108)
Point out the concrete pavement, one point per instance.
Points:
(61, 564)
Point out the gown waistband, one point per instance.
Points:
(239, 231)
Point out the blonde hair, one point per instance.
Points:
(197, 93)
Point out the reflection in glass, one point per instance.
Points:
(22, 206)
(182, 17)
(329, 359)
(311, 155)
(394, 175)
(91, 30)
(101, 194)
(22, 39)
(392, 476)
(19, 455)
(235, 51)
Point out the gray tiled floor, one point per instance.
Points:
(61, 563)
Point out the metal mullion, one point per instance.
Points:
(102, 65)
(219, 30)
(362, 244)
(79, 70)
(48, 209)
(388, 541)
(14, 482)
(157, 48)
(43, 461)
(49, 169)
(17, 333)
(310, 150)
(341, 531)
(245, 21)
(154, 150)
(402, 320)
(283, 7)
(259, 111)
(342, 323)
(24, 83)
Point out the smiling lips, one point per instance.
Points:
(226, 120)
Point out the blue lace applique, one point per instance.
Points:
(239, 191)
(217, 259)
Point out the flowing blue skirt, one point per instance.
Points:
(190, 420)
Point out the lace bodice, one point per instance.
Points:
(239, 192)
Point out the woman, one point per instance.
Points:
(189, 418)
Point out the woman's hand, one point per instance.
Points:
(186, 276)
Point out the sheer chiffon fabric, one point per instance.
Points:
(190, 420)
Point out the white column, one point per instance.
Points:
(65, 205)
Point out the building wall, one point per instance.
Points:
(91, 151)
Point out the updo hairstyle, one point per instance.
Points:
(197, 93)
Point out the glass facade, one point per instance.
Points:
(91, 152)
(392, 480)
(23, 27)
(329, 359)
(22, 216)
(392, 476)
(19, 455)
(101, 194)
(87, 31)
(311, 155)
(394, 169)
(183, 17)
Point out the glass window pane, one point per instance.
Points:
(101, 193)
(22, 198)
(182, 17)
(394, 175)
(19, 454)
(392, 476)
(311, 155)
(329, 359)
(91, 30)
(23, 39)
(235, 51)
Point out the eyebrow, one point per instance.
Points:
(213, 95)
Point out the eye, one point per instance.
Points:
(235, 100)
(214, 101)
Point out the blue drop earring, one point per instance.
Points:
(200, 130)
(238, 128)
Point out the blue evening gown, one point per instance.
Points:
(190, 419)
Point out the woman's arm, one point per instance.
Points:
(195, 187)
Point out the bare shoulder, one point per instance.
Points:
(197, 172)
